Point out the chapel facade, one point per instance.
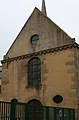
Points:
(42, 65)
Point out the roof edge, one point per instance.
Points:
(27, 22)
(56, 49)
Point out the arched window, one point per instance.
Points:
(34, 72)
(14, 100)
(13, 108)
(35, 110)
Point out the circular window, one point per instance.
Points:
(57, 99)
(34, 39)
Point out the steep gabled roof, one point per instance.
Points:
(52, 35)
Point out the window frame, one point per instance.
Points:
(34, 72)
(34, 38)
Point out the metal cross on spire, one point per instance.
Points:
(44, 8)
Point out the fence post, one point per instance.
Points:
(26, 112)
(13, 111)
(71, 113)
(55, 114)
(47, 113)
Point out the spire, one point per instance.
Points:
(44, 8)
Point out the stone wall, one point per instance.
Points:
(58, 76)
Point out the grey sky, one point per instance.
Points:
(14, 14)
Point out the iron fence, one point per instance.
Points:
(23, 111)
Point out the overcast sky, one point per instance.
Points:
(14, 14)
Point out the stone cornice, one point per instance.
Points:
(56, 49)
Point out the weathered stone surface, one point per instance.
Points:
(55, 79)
(50, 36)
(59, 65)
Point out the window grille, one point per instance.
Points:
(34, 72)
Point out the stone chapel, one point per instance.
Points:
(42, 65)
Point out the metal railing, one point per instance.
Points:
(23, 111)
